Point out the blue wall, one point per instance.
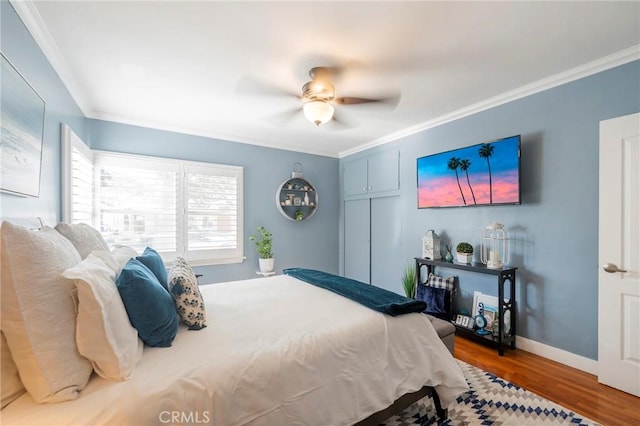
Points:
(555, 229)
(19, 47)
(313, 243)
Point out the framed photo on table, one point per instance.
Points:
(21, 134)
(489, 305)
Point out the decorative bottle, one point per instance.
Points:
(449, 256)
(306, 199)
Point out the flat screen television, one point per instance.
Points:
(478, 175)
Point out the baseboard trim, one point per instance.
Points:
(579, 362)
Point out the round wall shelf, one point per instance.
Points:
(297, 198)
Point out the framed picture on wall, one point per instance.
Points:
(21, 134)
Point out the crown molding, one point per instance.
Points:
(225, 137)
(29, 15)
(611, 61)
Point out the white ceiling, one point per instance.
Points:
(186, 66)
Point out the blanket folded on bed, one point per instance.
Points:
(372, 297)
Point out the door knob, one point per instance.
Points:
(612, 267)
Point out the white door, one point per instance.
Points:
(619, 254)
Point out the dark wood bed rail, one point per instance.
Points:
(403, 402)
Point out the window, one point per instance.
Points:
(180, 208)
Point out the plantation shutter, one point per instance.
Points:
(136, 202)
(213, 213)
(82, 188)
(77, 179)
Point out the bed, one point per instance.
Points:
(276, 351)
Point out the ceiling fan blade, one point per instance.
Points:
(284, 117)
(348, 100)
(251, 86)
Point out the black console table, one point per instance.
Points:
(505, 275)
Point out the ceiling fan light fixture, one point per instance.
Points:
(318, 112)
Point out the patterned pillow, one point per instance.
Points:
(183, 286)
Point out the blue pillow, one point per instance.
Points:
(438, 300)
(149, 306)
(152, 260)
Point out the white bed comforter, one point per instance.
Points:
(276, 351)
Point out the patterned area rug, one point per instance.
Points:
(490, 401)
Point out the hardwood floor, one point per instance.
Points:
(571, 388)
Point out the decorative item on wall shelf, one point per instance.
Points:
(464, 251)
(264, 245)
(431, 245)
(495, 246)
(448, 257)
(297, 198)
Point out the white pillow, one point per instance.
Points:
(83, 237)
(122, 254)
(10, 385)
(38, 316)
(104, 334)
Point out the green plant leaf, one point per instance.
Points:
(409, 280)
(264, 243)
(464, 247)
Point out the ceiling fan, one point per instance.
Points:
(319, 97)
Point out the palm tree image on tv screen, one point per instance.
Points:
(490, 174)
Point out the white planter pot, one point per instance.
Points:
(464, 258)
(266, 265)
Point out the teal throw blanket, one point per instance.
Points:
(372, 297)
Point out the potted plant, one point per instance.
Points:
(264, 243)
(464, 251)
(409, 280)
